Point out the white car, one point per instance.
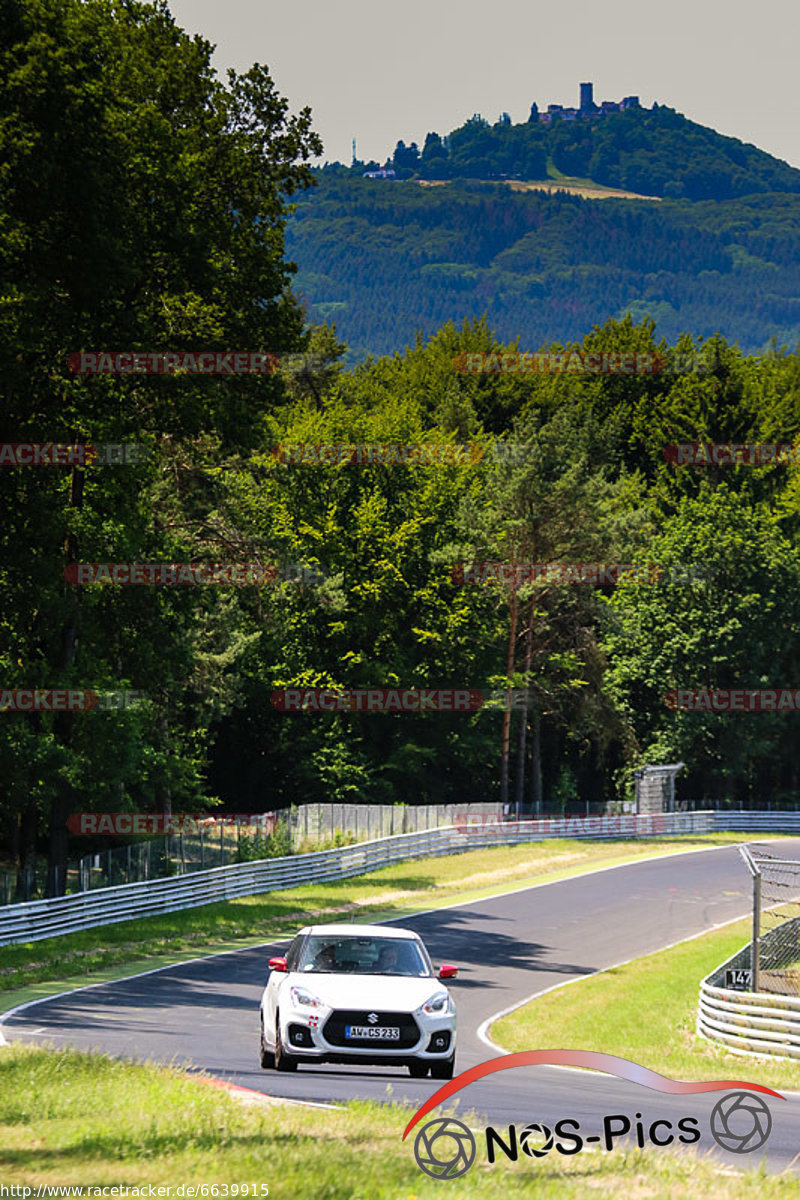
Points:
(358, 994)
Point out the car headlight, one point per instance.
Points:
(438, 1005)
(302, 998)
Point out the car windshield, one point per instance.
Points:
(331, 955)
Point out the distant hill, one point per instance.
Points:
(657, 152)
(386, 259)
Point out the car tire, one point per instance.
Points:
(443, 1070)
(418, 1069)
(283, 1061)
(267, 1056)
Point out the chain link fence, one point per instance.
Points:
(217, 843)
(775, 944)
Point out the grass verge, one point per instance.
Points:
(399, 890)
(72, 1118)
(645, 1011)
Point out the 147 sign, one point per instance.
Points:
(738, 981)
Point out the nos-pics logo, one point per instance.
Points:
(446, 1148)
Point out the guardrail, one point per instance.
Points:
(757, 822)
(41, 919)
(749, 1022)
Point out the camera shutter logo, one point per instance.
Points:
(741, 1122)
(444, 1148)
(530, 1134)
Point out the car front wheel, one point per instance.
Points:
(283, 1061)
(267, 1057)
(443, 1070)
(418, 1070)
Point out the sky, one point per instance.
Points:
(379, 72)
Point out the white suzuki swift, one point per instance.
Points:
(358, 994)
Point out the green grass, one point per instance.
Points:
(27, 969)
(645, 1011)
(72, 1118)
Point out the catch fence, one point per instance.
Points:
(105, 906)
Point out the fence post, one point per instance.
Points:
(754, 952)
(202, 850)
(755, 872)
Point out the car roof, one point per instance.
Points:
(384, 931)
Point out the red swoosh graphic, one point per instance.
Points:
(593, 1059)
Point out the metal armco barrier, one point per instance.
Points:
(750, 1022)
(757, 822)
(67, 914)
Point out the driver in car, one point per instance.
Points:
(388, 959)
(326, 959)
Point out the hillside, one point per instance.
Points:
(384, 259)
(655, 152)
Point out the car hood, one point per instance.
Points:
(392, 993)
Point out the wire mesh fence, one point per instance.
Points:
(217, 842)
(221, 841)
(775, 945)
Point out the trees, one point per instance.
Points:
(144, 205)
(405, 158)
(724, 616)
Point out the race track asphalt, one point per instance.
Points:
(204, 1014)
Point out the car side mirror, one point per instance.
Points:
(277, 964)
(447, 971)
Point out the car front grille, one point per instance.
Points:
(334, 1029)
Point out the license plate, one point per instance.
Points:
(383, 1033)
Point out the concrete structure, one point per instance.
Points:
(655, 788)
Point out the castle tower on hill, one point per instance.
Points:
(587, 111)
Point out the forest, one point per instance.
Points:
(386, 260)
(107, 255)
